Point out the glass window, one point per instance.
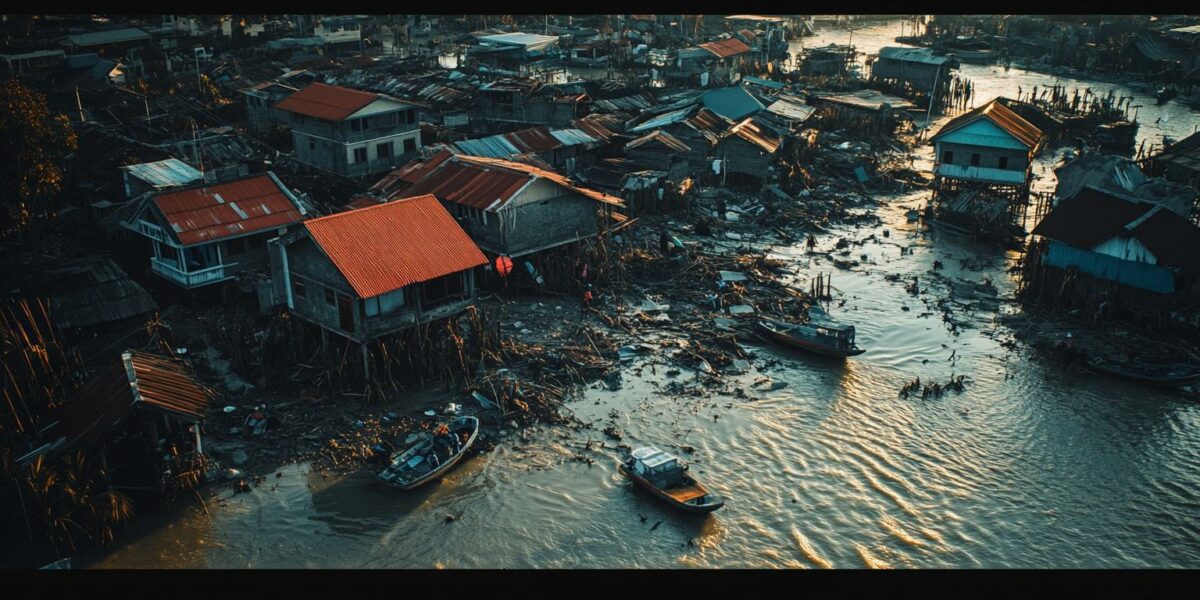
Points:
(384, 150)
(360, 155)
(947, 157)
(1003, 162)
(410, 145)
(975, 160)
(329, 297)
(312, 144)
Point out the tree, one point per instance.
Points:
(33, 146)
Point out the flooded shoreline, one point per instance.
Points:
(1027, 467)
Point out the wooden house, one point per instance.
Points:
(374, 271)
(508, 208)
(751, 150)
(207, 234)
(350, 132)
(1097, 248)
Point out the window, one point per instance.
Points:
(948, 157)
(371, 306)
(355, 124)
(975, 160)
(360, 155)
(237, 246)
(298, 288)
(391, 301)
(312, 144)
(443, 289)
(329, 297)
(410, 145)
(384, 150)
(1003, 162)
(410, 116)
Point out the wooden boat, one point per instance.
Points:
(820, 335)
(665, 476)
(417, 466)
(1157, 376)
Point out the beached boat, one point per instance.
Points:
(821, 335)
(432, 456)
(1153, 375)
(665, 476)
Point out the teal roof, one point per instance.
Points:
(983, 133)
(733, 103)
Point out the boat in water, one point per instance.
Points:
(1152, 375)
(821, 335)
(666, 476)
(432, 456)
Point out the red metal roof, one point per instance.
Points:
(534, 139)
(386, 247)
(163, 384)
(328, 102)
(726, 48)
(234, 208)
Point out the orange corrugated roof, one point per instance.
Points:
(204, 214)
(386, 247)
(483, 183)
(759, 136)
(726, 48)
(669, 141)
(329, 102)
(1002, 116)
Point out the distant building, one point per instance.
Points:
(105, 42)
(374, 271)
(261, 99)
(158, 176)
(350, 132)
(917, 67)
(207, 234)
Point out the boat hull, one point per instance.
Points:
(808, 346)
(1169, 381)
(692, 508)
(440, 471)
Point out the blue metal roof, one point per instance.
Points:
(663, 120)
(732, 103)
(167, 173)
(983, 133)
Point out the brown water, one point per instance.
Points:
(1029, 467)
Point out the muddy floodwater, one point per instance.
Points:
(1027, 467)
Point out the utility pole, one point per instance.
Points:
(199, 85)
(79, 103)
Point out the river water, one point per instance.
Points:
(1028, 467)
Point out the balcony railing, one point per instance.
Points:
(190, 279)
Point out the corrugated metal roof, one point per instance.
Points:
(726, 48)
(775, 85)
(751, 132)
(534, 139)
(599, 126)
(573, 137)
(383, 248)
(792, 110)
(204, 214)
(328, 102)
(115, 36)
(483, 183)
(983, 133)
(519, 39)
(868, 99)
(496, 146)
(162, 384)
(659, 137)
(989, 174)
(917, 55)
(732, 102)
(662, 120)
(1092, 217)
(1001, 115)
(165, 173)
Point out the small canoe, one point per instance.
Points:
(665, 476)
(1157, 376)
(819, 336)
(432, 456)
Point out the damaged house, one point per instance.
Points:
(350, 132)
(697, 127)
(208, 234)
(374, 271)
(140, 417)
(750, 151)
(1103, 253)
(982, 169)
(508, 208)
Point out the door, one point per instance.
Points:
(345, 313)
